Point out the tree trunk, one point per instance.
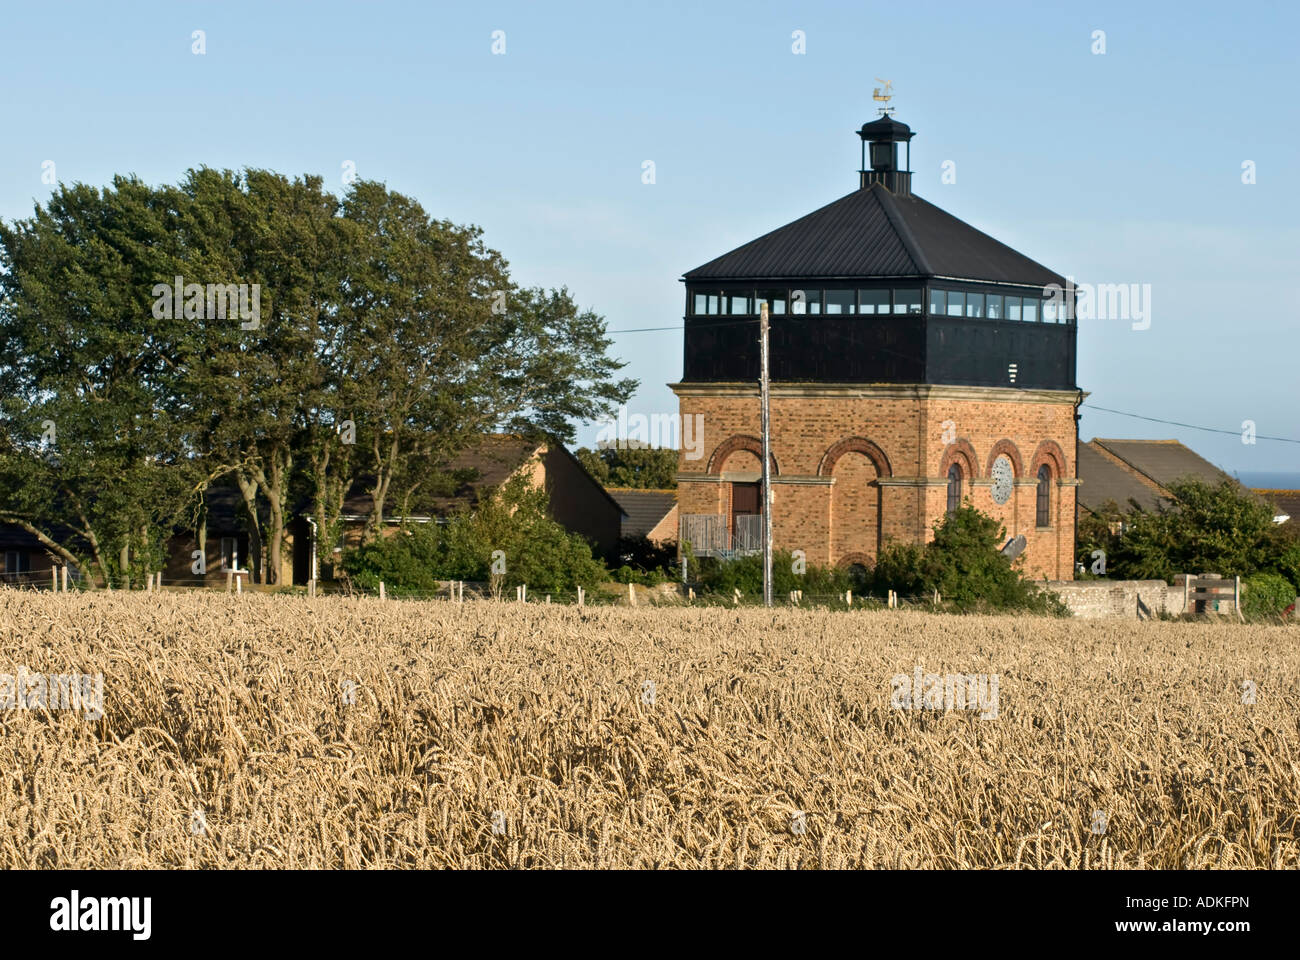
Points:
(383, 477)
(45, 541)
(89, 533)
(201, 539)
(248, 490)
(274, 491)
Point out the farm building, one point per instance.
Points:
(648, 513)
(916, 363)
(1286, 505)
(577, 501)
(1135, 474)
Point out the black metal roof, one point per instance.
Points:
(875, 233)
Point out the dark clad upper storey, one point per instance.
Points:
(882, 286)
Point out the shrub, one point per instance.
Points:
(746, 575)
(514, 520)
(1288, 564)
(1219, 527)
(900, 567)
(963, 562)
(1266, 595)
(650, 563)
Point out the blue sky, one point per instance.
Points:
(1117, 168)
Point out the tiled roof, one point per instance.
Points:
(1164, 461)
(1284, 501)
(493, 460)
(643, 509)
(1103, 480)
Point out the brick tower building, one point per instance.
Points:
(916, 363)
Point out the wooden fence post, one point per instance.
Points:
(54, 580)
(580, 596)
(229, 577)
(382, 594)
(311, 587)
(631, 594)
(848, 597)
(65, 578)
(239, 584)
(735, 599)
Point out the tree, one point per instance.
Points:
(1218, 528)
(371, 344)
(91, 462)
(645, 468)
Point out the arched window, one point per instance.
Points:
(954, 488)
(1044, 512)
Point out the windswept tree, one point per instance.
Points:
(441, 348)
(92, 461)
(250, 329)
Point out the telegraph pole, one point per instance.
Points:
(767, 459)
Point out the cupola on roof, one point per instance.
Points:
(886, 128)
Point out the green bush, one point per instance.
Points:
(1288, 564)
(1266, 595)
(645, 578)
(746, 575)
(900, 567)
(1208, 527)
(963, 562)
(536, 550)
(647, 562)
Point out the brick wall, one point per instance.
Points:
(856, 466)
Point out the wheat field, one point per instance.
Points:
(279, 732)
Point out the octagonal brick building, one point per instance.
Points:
(916, 363)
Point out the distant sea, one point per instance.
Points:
(1263, 480)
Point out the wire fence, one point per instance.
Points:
(455, 591)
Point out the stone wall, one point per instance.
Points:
(1090, 599)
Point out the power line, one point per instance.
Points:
(1190, 426)
(1090, 406)
(718, 323)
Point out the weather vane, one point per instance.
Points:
(884, 95)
